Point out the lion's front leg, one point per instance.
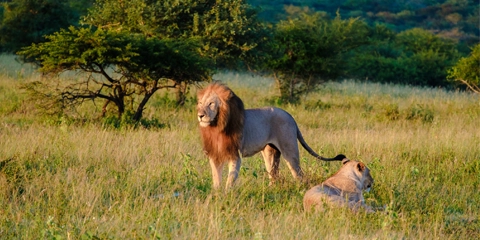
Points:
(216, 173)
(233, 170)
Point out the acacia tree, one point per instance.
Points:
(148, 45)
(122, 67)
(308, 50)
(227, 29)
(467, 70)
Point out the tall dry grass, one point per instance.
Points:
(71, 180)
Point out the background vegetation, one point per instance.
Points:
(454, 19)
(64, 178)
(408, 42)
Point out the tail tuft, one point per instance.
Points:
(339, 157)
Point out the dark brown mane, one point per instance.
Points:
(221, 142)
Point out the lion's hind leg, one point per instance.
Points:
(271, 156)
(293, 163)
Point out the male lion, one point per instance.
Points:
(227, 128)
(344, 188)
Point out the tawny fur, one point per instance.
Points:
(227, 130)
(344, 188)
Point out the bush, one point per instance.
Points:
(467, 70)
(415, 57)
(126, 122)
(308, 50)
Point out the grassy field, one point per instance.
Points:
(68, 179)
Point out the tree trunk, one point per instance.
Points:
(104, 108)
(181, 93)
(139, 113)
(290, 92)
(121, 109)
(119, 100)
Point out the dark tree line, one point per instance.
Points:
(454, 19)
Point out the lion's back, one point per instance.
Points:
(265, 125)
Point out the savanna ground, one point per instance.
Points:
(63, 178)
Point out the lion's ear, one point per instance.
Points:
(345, 160)
(361, 167)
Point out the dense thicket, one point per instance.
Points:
(23, 22)
(415, 57)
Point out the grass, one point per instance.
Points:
(79, 180)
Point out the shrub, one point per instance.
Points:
(467, 70)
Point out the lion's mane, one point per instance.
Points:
(222, 139)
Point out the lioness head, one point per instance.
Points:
(362, 173)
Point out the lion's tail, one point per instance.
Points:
(339, 157)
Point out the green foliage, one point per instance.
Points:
(415, 57)
(420, 112)
(28, 21)
(454, 19)
(131, 49)
(415, 112)
(417, 40)
(316, 106)
(80, 6)
(227, 28)
(127, 122)
(390, 112)
(467, 70)
(123, 68)
(425, 58)
(309, 50)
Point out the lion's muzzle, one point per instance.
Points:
(203, 120)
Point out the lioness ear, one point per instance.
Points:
(345, 160)
(361, 167)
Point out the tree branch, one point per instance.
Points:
(105, 74)
(474, 88)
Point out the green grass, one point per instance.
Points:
(78, 180)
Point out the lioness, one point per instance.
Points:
(344, 188)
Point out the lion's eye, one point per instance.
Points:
(211, 106)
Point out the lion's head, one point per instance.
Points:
(218, 106)
(220, 114)
(360, 172)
